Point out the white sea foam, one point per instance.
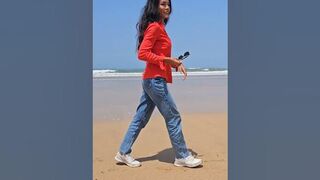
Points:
(114, 73)
(203, 73)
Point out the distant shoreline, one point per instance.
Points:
(109, 73)
(121, 70)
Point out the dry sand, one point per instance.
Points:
(205, 134)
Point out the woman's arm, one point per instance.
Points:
(152, 33)
(173, 62)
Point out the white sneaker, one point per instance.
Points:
(127, 159)
(189, 161)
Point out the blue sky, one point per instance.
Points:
(199, 27)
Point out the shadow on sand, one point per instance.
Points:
(166, 156)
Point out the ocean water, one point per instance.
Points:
(111, 73)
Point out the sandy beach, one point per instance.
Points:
(202, 103)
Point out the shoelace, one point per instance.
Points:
(129, 158)
(190, 158)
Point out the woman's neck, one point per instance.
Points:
(162, 21)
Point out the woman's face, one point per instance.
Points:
(164, 9)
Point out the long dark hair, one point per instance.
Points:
(150, 13)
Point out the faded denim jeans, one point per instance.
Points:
(156, 94)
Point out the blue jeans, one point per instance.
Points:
(155, 93)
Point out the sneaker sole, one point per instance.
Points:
(185, 165)
(130, 165)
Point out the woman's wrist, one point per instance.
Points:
(167, 59)
(173, 62)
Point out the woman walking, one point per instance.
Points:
(154, 47)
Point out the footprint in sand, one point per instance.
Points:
(164, 168)
(98, 159)
(111, 170)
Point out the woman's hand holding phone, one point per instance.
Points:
(173, 62)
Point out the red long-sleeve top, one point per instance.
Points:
(155, 46)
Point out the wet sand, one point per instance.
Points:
(117, 98)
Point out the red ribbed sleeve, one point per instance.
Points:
(145, 53)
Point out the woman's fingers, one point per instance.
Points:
(183, 71)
